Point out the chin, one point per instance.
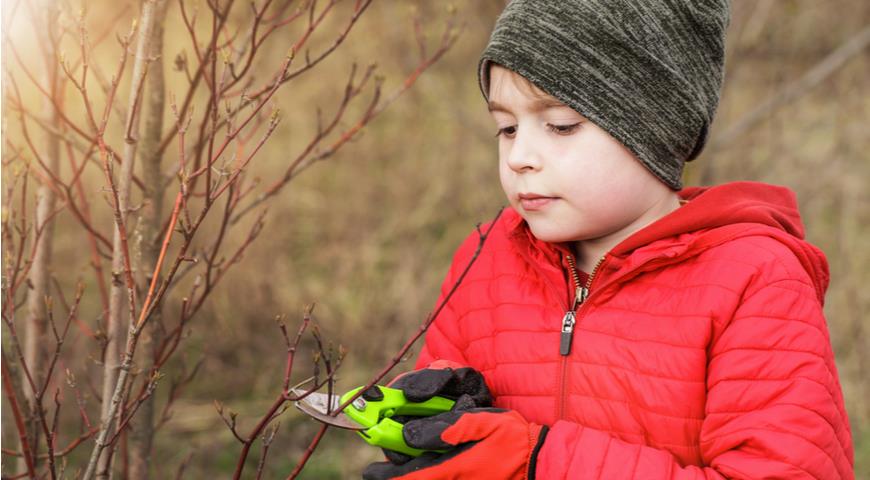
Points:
(553, 235)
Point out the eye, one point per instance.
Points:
(508, 132)
(563, 129)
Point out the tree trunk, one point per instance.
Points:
(150, 222)
(116, 328)
(36, 339)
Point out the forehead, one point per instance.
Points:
(509, 91)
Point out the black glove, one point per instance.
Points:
(465, 385)
(452, 383)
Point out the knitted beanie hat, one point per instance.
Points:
(648, 72)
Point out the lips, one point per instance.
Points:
(532, 202)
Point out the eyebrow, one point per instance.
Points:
(538, 105)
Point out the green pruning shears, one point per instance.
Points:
(370, 414)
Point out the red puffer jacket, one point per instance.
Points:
(701, 350)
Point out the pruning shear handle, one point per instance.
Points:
(374, 408)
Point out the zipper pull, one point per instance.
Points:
(567, 333)
(568, 321)
(578, 298)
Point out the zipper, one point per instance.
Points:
(581, 293)
(580, 296)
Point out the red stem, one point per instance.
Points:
(259, 428)
(154, 275)
(19, 420)
(423, 328)
(308, 451)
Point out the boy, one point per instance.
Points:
(624, 326)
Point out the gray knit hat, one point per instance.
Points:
(648, 72)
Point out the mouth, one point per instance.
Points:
(532, 202)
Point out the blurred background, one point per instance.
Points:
(368, 234)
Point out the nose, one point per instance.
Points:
(523, 155)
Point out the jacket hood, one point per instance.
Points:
(717, 214)
(732, 210)
(722, 205)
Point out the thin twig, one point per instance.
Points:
(9, 390)
(308, 451)
(429, 320)
(816, 75)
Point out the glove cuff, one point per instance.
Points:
(533, 457)
(441, 364)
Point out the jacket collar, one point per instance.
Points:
(710, 216)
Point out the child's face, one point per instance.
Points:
(569, 179)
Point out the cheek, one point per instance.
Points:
(503, 155)
(611, 182)
(504, 150)
(588, 172)
(630, 177)
(614, 168)
(506, 177)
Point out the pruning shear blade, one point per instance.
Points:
(320, 405)
(371, 414)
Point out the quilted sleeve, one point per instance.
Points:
(442, 337)
(774, 403)
(443, 340)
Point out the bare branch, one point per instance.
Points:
(812, 78)
(19, 419)
(429, 320)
